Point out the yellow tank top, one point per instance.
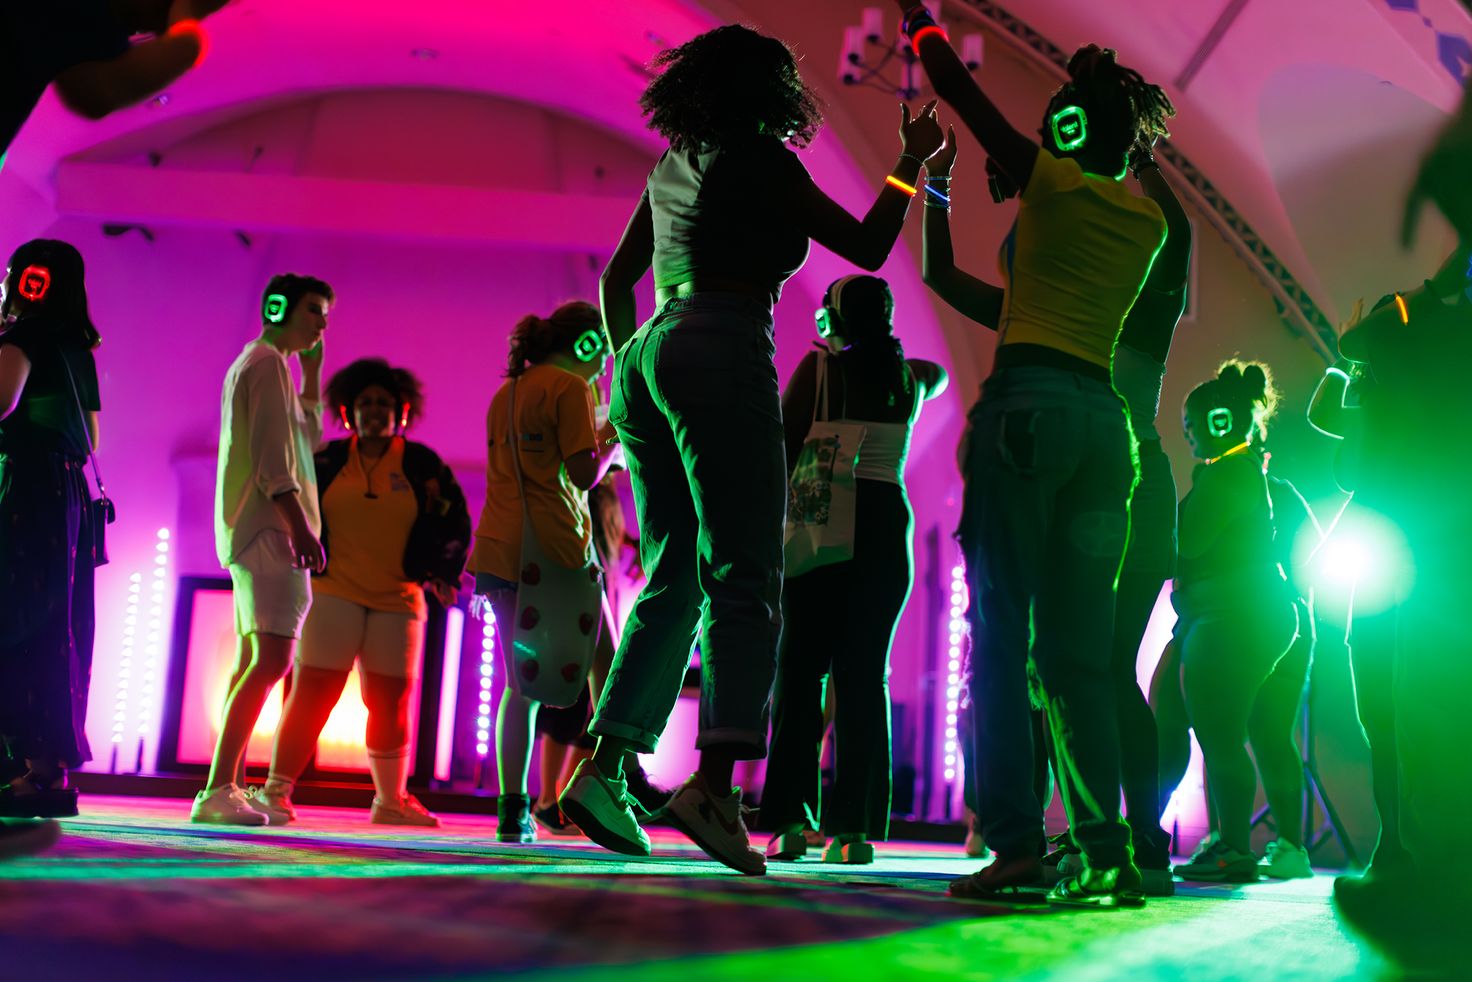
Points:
(1076, 260)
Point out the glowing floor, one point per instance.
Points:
(136, 892)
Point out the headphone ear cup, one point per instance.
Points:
(404, 420)
(343, 412)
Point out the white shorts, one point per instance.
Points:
(271, 594)
(340, 632)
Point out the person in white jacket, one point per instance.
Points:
(267, 526)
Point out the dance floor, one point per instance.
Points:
(135, 892)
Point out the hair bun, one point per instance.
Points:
(1255, 380)
(1089, 60)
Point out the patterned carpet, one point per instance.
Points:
(136, 892)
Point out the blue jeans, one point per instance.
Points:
(1049, 470)
(698, 409)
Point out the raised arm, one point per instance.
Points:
(95, 89)
(972, 297)
(867, 243)
(1173, 262)
(1013, 152)
(630, 261)
(1326, 412)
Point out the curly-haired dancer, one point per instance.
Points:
(1049, 464)
(725, 219)
(393, 522)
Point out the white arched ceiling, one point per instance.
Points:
(1340, 176)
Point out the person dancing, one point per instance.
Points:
(840, 618)
(1138, 372)
(1049, 462)
(725, 219)
(394, 522)
(1236, 621)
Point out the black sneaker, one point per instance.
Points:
(650, 798)
(513, 819)
(552, 819)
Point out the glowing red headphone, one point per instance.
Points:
(34, 283)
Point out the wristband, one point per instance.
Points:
(192, 28)
(925, 32)
(1140, 160)
(916, 18)
(895, 182)
(931, 191)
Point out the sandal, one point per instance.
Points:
(1015, 880)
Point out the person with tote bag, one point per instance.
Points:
(844, 598)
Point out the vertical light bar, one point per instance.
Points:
(956, 637)
(125, 664)
(444, 741)
(153, 640)
(487, 674)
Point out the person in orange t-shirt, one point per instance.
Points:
(394, 525)
(563, 453)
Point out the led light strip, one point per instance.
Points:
(956, 638)
(487, 675)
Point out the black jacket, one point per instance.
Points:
(439, 542)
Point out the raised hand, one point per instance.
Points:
(940, 165)
(1443, 179)
(921, 135)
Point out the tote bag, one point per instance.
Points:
(558, 612)
(821, 497)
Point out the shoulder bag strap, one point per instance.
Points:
(82, 418)
(820, 397)
(516, 452)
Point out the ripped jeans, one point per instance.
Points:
(1049, 467)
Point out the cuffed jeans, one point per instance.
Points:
(1049, 470)
(698, 410)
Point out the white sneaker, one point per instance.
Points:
(715, 825)
(273, 803)
(405, 811)
(225, 805)
(599, 805)
(1283, 861)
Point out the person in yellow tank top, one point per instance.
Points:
(1050, 461)
(394, 525)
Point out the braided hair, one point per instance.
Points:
(1244, 387)
(865, 305)
(535, 339)
(728, 85)
(1123, 109)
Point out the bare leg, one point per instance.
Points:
(270, 658)
(314, 691)
(550, 769)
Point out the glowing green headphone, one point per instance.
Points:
(588, 346)
(274, 310)
(1219, 422)
(1070, 128)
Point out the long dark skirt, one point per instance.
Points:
(47, 618)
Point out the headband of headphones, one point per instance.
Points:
(1070, 127)
(274, 310)
(829, 317)
(34, 283)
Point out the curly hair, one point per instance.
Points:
(728, 85)
(349, 382)
(535, 339)
(1122, 107)
(65, 303)
(1244, 387)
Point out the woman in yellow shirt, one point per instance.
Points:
(1050, 461)
(394, 522)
